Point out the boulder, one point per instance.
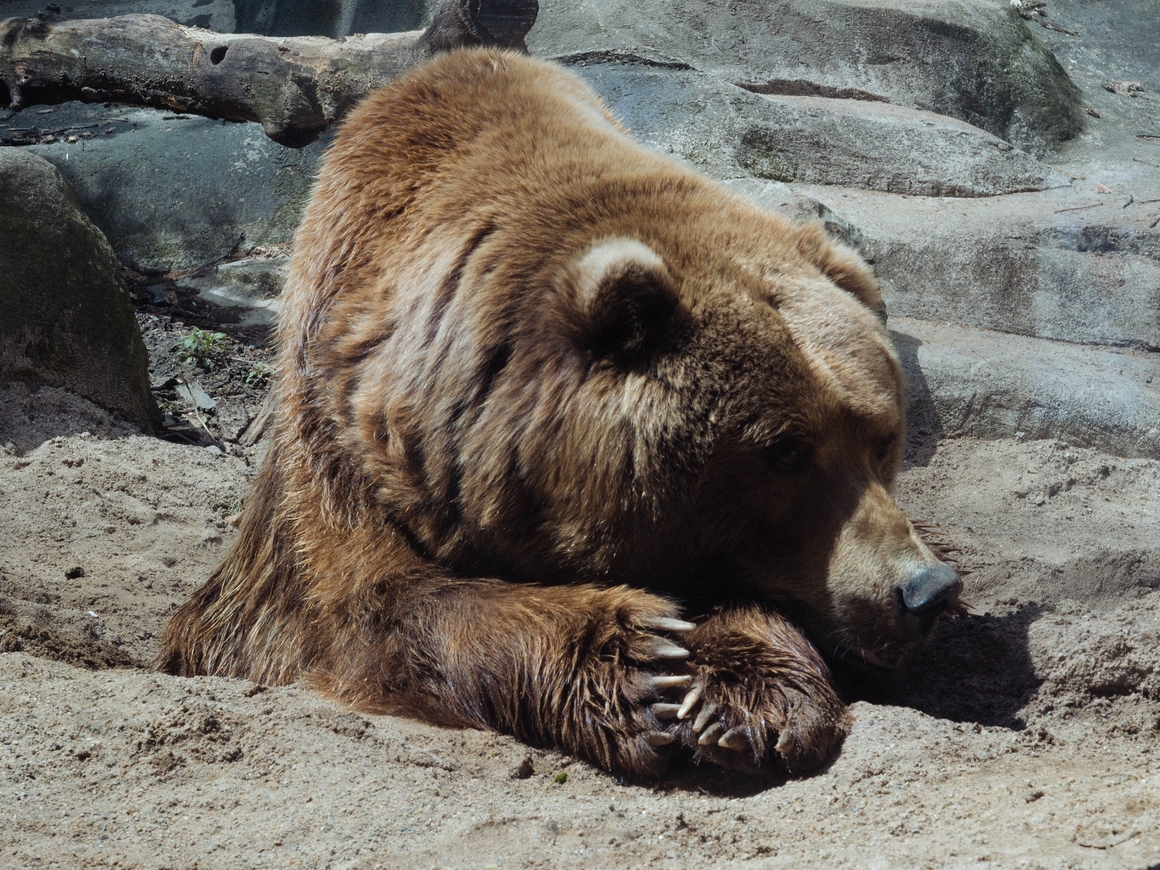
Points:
(252, 285)
(327, 18)
(975, 60)
(730, 132)
(1070, 264)
(65, 313)
(174, 191)
(987, 384)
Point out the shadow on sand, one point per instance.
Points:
(977, 668)
(923, 428)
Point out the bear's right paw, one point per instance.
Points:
(761, 699)
(779, 727)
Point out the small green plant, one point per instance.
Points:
(560, 778)
(258, 376)
(203, 348)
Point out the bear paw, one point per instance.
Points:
(624, 659)
(760, 699)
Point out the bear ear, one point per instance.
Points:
(843, 266)
(620, 297)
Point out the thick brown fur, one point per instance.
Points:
(536, 384)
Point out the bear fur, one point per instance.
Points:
(543, 396)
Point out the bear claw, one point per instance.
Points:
(659, 648)
(736, 739)
(666, 711)
(665, 623)
(707, 713)
(660, 738)
(711, 734)
(670, 682)
(690, 701)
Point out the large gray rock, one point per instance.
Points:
(330, 18)
(1082, 285)
(878, 146)
(994, 385)
(1117, 41)
(975, 60)
(1072, 264)
(174, 191)
(730, 132)
(786, 200)
(65, 314)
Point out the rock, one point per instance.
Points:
(729, 132)
(524, 769)
(974, 61)
(1116, 39)
(1132, 89)
(327, 18)
(65, 313)
(195, 394)
(877, 146)
(1043, 265)
(787, 201)
(175, 191)
(987, 384)
(252, 284)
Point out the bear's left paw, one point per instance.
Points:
(761, 698)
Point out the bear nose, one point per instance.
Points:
(927, 593)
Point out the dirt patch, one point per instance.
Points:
(70, 648)
(1027, 735)
(209, 371)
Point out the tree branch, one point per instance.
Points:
(295, 87)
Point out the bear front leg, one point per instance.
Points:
(761, 699)
(573, 667)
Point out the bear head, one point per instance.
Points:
(710, 408)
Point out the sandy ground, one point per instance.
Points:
(1029, 736)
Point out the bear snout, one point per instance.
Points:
(926, 594)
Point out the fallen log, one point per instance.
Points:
(295, 87)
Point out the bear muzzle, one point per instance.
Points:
(919, 600)
(925, 596)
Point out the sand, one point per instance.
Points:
(1027, 736)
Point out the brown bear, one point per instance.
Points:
(537, 384)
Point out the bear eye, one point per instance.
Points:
(789, 456)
